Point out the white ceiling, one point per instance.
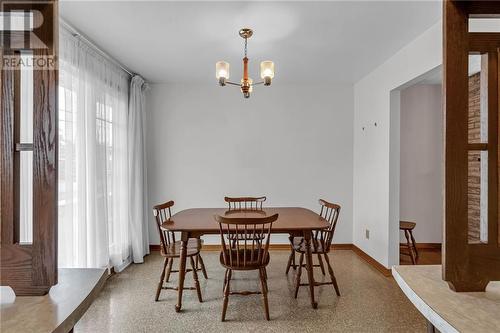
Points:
(322, 42)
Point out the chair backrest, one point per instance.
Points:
(252, 237)
(245, 203)
(162, 214)
(330, 212)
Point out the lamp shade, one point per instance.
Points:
(222, 70)
(267, 69)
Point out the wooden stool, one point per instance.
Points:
(408, 227)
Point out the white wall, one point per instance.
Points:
(293, 144)
(421, 156)
(376, 162)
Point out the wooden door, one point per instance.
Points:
(29, 268)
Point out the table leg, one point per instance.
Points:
(309, 265)
(182, 269)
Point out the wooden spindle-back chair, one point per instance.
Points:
(320, 245)
(242, 204)
(170, 249)
(245, 203)
(407, 227)
(251, 252)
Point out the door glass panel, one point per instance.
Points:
(477, 196)
(484, 24)
(26, 119)
(25, 128)
(478, 98)
(26, 197)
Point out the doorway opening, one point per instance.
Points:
(416, 171)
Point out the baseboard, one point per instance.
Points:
(429, 246)
(154, 247)
(286, 247)
(424, 246)
(378, 266)
(272, 247)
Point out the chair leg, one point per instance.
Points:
(332, 275)
(291, 258)
(291, 261)
(202, 264)
(414, 244)
(169, 269)
(227, 288)
(195, 277)
(263, 285)
(408, 245)
(294, 265)
(299, 272)
(160, 284)
(321, 264)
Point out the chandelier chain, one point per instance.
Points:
(245, 47)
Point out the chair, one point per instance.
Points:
(242, 204)
(247, 254)
(407, 228)
(245, 203)
(170, 249)
(320, 245)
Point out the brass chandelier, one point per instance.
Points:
(246, 85)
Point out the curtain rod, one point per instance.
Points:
(78, 34)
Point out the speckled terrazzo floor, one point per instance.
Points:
(370, 302)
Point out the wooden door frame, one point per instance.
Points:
(468, 267)
(30, 269)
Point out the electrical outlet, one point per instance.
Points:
(367, 234)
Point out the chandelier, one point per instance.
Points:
(246, 84)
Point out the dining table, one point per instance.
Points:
(196, 222)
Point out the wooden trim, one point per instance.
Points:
(425, 246)
(154, 247)
(378, 266)
(346, 246)
(339, 247)
(24, 147)
(483, 41)
(481, 9)
(272, 247)
(477, 146)
(30, 269)
(7, 154)
(468, 267)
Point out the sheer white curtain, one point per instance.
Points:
(93, 165)
(137, 169)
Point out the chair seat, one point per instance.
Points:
(299, 245)
(238, 258)
(404, 225)
(174, 249)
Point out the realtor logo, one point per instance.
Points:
(28, 27)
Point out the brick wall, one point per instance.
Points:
(474, 179)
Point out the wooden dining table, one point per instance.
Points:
(196, 222)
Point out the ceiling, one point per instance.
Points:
(310, 42)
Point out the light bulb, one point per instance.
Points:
(266, 69)
(222, 70)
